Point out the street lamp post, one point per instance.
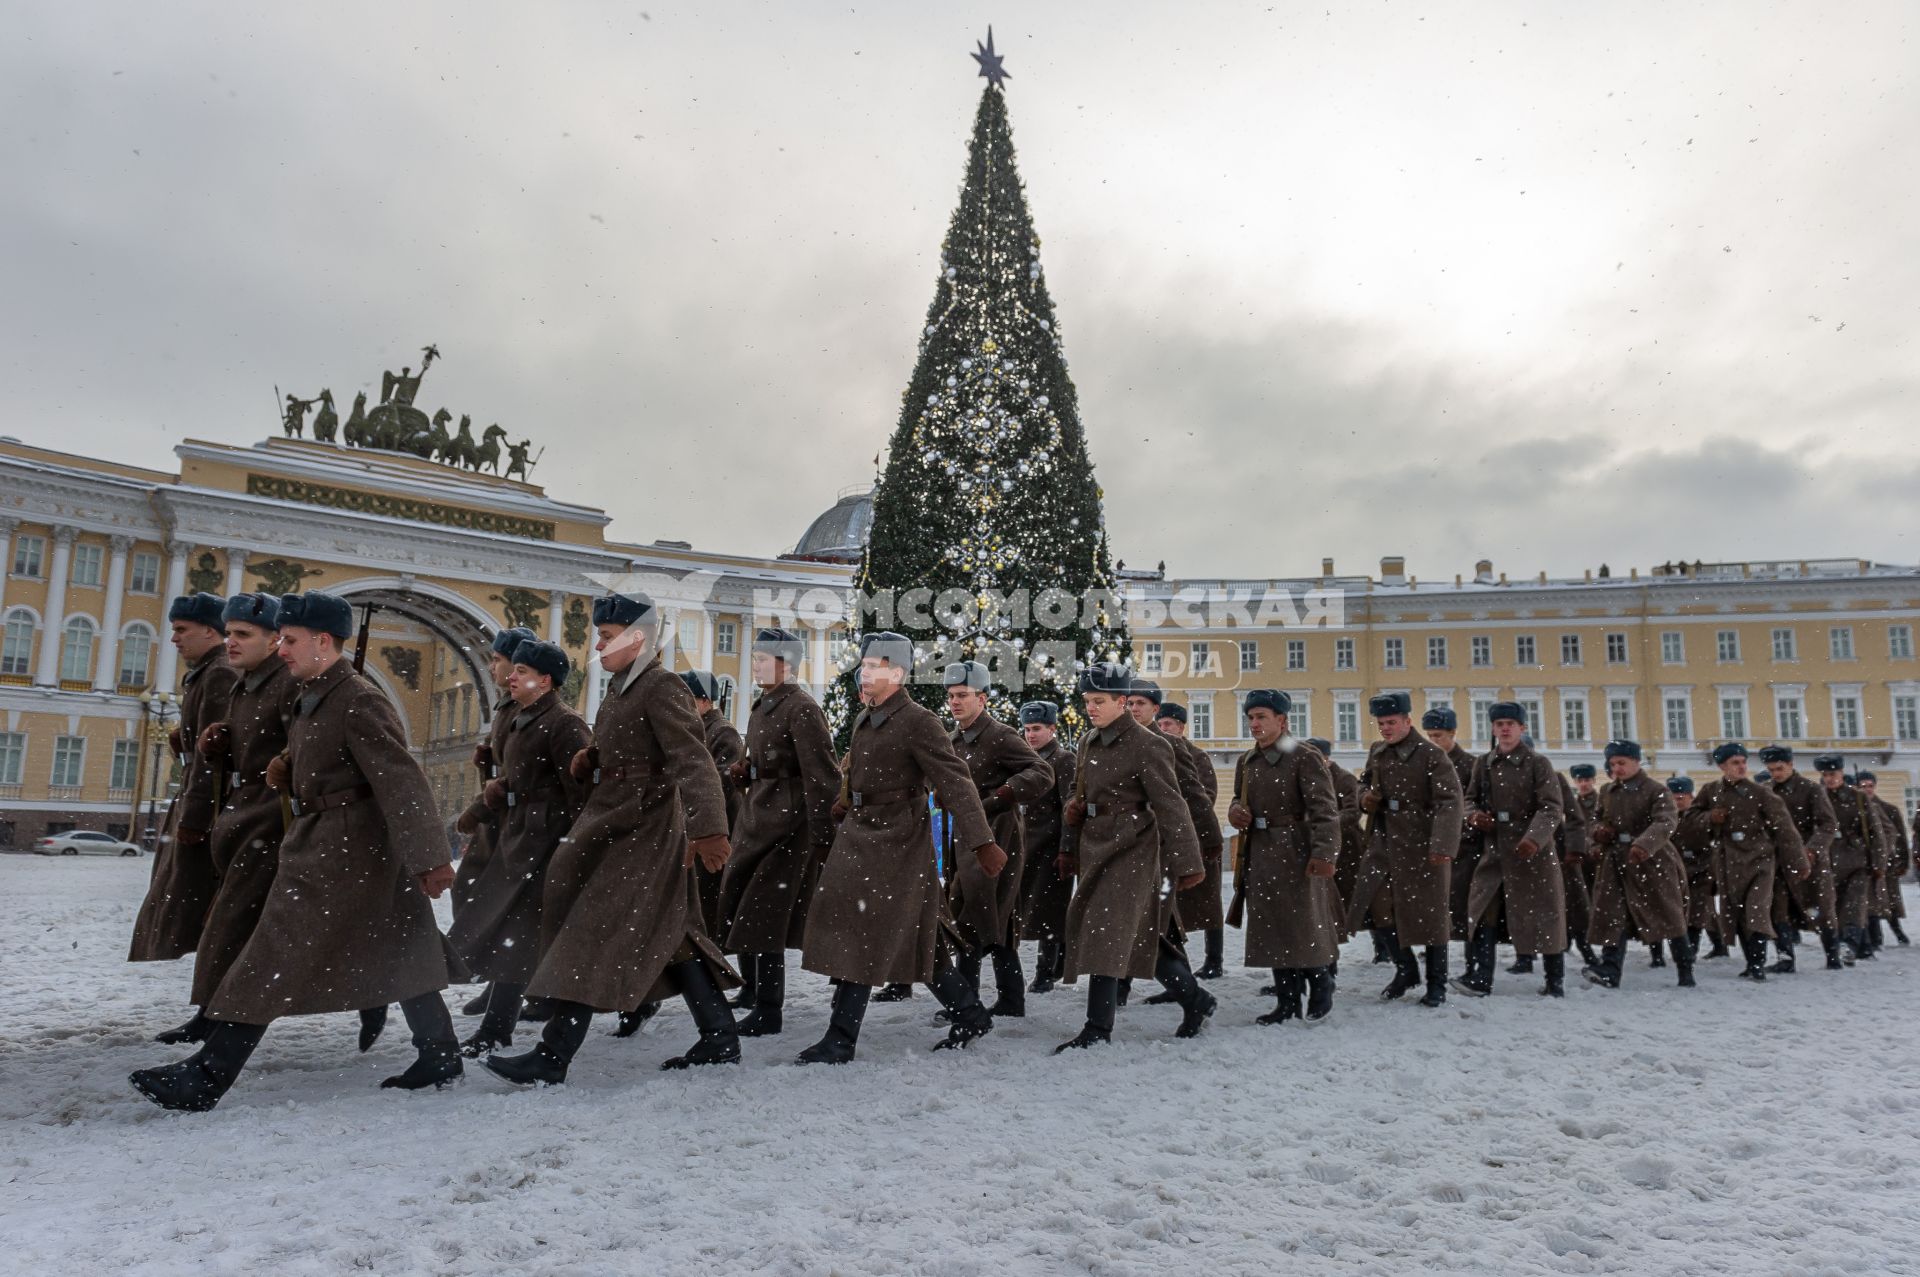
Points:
(155, 711)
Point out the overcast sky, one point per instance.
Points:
(1554, 284)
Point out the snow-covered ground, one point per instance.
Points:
(1730, 1129)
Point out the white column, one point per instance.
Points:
(8, 525)
(743, 686)
(177, 552)
(593, 687)
(47, 672)
(554, 600)
(707, 620)
(106, 675)
(236, 571)
(817, 665)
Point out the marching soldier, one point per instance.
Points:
(1200, 908)
(619, 914)
(1006, 774)
(1129, 830)
(1411, 794)
(1284, 807)
(1889, 907)
(1802, 893)
(1640, 885)
(1044, 892)
(1693, 838)
(1580, 860)
(1860, 858)
(348, 923)
(1353, 841)
(1513, 800)
(791, 779)
(534, 800)
(1754, 837)
(726, 748)
(1441, 726)
(478, 823)
(877, 914)
(184, 877)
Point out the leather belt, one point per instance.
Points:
(612, 775)
(1094, 809)
(517, 796)
(1395, 804)
(757, 772)
(240, 780)
(328, 802)
(884, 797)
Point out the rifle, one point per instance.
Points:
(360, 643)
(1237, 907)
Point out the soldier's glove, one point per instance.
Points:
(1188, 882)
(278, 772)
(435, 881)
(1369, 799)
(1638, 855)
(712, 852)
(213, 743)
(584, 763)
(1318, 868)
(1573, 860)
(1239, 817)
(1879, 875)
(840, 809)
(1602, 835)
(483, 756)
(1718, 815)
(992, 859)
(997, 801)
(467, 823)
(494, 793)
(1075, 813)
(176, 743)
(738, 772)
(1439, 860)
(1480, 821)
(1526, 848)
(190, 837)
(1066, 866)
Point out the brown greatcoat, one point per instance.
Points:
(1521, 791)
(1571, 851)
(619, 904)
(1138, 834)
(1006, 773)
(1472, 844)
(724, 744)
(1700, 857)
(1417, 814)
(480, 843)
(245, 839)
(1806, 899)
(1887, 902)
(1859, 853)
(1648, 900)
(1292, 917)
(1353, 839)
(498, 933)
(1199, 907)
(1758, 836)
(877, 913)
(346, 927)
(1044, 892)
(786, 826)
(184, 877)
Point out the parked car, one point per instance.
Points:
(76, 842)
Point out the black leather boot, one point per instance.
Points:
(1830, 945)
(1682, 947)
(1522, 965)
(1587, 956)
(1123, 991)
(196, 1083)
(1606, 972)
(438, 1060)
(967, 1020)
(1406, 973)
(1171, 970)
(1899, 934)
(1477, 980)
(1045, 968)
(478, 1004)
(1656, 956)
(1287, 987)
(1216, 947)
(1103, 992)
(1753, 948)
(1876, 938)
(1319, 982)
(1011, 982)
(843, 1026)
(1718, 949)
(1436, 994)
(770, 996)
(893, 993)
(496, 1027)
(373, 1022)
(194, 1032)
(1383, 946)
(1555, 967)
(546, 1064)
(747, 996)
(719, 1041)
(631, 1022)
(1784, 940)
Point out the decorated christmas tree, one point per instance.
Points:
(987, 496)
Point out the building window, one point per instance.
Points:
(1300, 717)
(1733, 716)
(1481, 728)
(1620, 717)
(1249, 656)
(1727, 645)
(1789, 717)
(1532, 706)
(1200, 656)
(689, 634)
(136, 656)
(1480, 647)
(1616, 648)
(1200, 716)
(29, 556)
(1784, 647)
(1840, 642)
(1436, 653)
(126, 764)
(1846, 715)
(1346, 720)
(86, 565)
(76, 650)
(1900, 642)
(69, 760)
(1343, 654)
(16, 652)
(1673, 648)
(727, 684)
(1296, 654)
(1150, 658)
(1570, 649)
(144, 576)
(1573, 719)
(1679, 714)
(1396, 655)
(1906, 717)
(13, 757)
(1523, 653)
(726, 638)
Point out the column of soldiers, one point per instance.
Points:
(612, 865)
